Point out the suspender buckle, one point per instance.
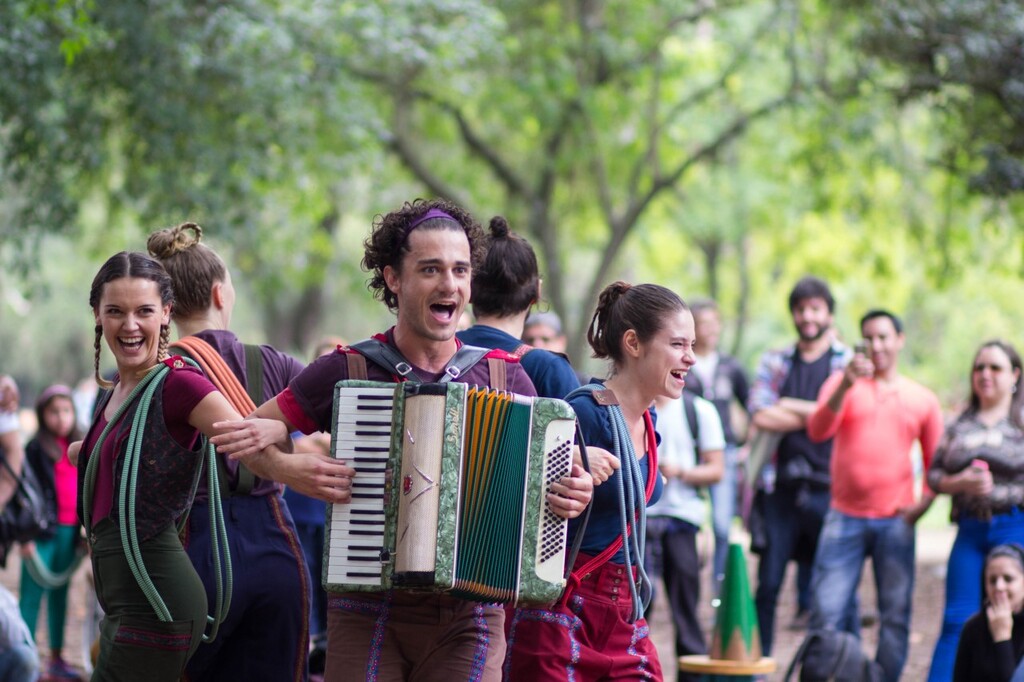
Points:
(403, 368)
(452, 371)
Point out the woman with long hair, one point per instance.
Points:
(49, 560)
(980, 462)
(597, 630)
(992, 641)
(137, 469)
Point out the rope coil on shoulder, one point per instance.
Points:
(127, 496)
(632, 498)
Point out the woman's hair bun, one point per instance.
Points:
(165, 243)
(499, 227)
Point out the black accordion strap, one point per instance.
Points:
(388, 357)
(465, 357)
(577, 542)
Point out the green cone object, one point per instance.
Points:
(736, 636)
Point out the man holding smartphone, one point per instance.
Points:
(874, 414)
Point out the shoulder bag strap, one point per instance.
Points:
(690, 408)
(254, 387)
(799, 655)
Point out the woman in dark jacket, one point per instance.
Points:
(992, 641)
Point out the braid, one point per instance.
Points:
(165, 341)
(103, 383)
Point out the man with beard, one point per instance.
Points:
(875, 415)
(421, 258)
(781, 400)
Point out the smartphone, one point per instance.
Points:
(860, 348)
(979, 464)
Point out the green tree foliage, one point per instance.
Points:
(965, 58)
(723, 149)
(578, 119)
(148, 113)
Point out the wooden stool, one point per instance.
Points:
(721, 670)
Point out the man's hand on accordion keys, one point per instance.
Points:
(571, 495)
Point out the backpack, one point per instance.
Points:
(827, 655)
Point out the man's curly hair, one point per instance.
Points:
(388, 241)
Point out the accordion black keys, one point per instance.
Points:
(463, 509)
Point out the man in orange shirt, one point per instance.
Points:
(874, 415)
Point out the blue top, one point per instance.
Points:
(604, 525)
(552, 375)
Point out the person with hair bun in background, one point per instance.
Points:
(266, 634)
(980, 462)
(992, 641)
(597, 630)
(504, 288)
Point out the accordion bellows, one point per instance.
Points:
(464, 509)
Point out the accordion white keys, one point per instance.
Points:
(463, 510)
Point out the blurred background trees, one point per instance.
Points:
(721, 148)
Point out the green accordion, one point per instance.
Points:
(450, 491)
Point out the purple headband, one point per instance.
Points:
(432, 213)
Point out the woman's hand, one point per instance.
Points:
(602, 463)
(970, 481)
(1000, 617)
(249, 436)
(571, 495)
(73, 450)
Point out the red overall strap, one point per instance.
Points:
(601, 559)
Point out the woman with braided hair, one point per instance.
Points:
(597, 630)
(266, 635)
(137, 469)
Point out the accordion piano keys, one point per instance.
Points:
(366, 416)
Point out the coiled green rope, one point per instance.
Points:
(42, 574)
(224, 578)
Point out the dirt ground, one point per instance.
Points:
(929, 598)
(932, 549)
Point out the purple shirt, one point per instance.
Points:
(278, 370)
